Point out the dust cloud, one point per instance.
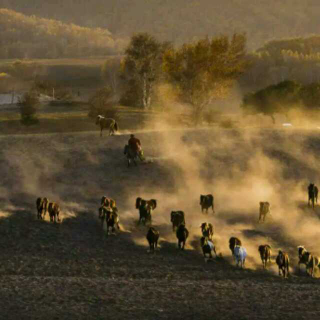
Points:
(240, 167)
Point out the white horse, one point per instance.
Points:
(240, 254)
(106, 123)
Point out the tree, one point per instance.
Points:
(280, 98)
(111, 73)
(142, 66)
(310, 95)
(205, 70)
(28, 108)
(101, 103)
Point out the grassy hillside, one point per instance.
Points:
(24, 36)
(181, 20)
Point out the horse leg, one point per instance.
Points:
(313, 202)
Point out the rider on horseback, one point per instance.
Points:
(135, 145)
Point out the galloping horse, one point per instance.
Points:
(312, 194)
(106, 123)
(131, 155)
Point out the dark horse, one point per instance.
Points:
(107, 123)
(313, 194)
(145, 208)
(131, 155)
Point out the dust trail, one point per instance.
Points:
(239, 167)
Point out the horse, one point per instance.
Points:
(145, 208)
(264, 210)
(207, 247)
(240, 254)
(312, 262)
(265, 254)
(108, 202)
(112, 220)
(233, 241)
(177, 218)
(206, 202)
(42, 207)
(153, 237)
(106, 123)
(312, 194)
(182, 234)
(283, 263)
(54, 211)
(207, 230)
(131, 155)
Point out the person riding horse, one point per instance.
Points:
(135, 145)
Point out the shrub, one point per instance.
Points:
(28, 108)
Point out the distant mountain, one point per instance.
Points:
(183, 20)
(24, 36)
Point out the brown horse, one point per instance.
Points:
(108, 202)
(283, 263)
(42, 207)
(107, 123)
(207, 230)
(112, 220)
(153, 237)
(265, 254)
(54, 211)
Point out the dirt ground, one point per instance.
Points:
(71, 270)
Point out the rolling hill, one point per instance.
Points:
(180, 20)
(24, 36)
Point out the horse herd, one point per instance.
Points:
(108, 213)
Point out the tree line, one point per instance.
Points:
(197, 73)
(31, 37)
(281, 76)
(181, 21)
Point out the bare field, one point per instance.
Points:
(72, 271)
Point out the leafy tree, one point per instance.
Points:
(205, 70)
(280, 98)
(310, 95)
(102, 103)
(142, 66)
(28, 108)
(111, 73)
